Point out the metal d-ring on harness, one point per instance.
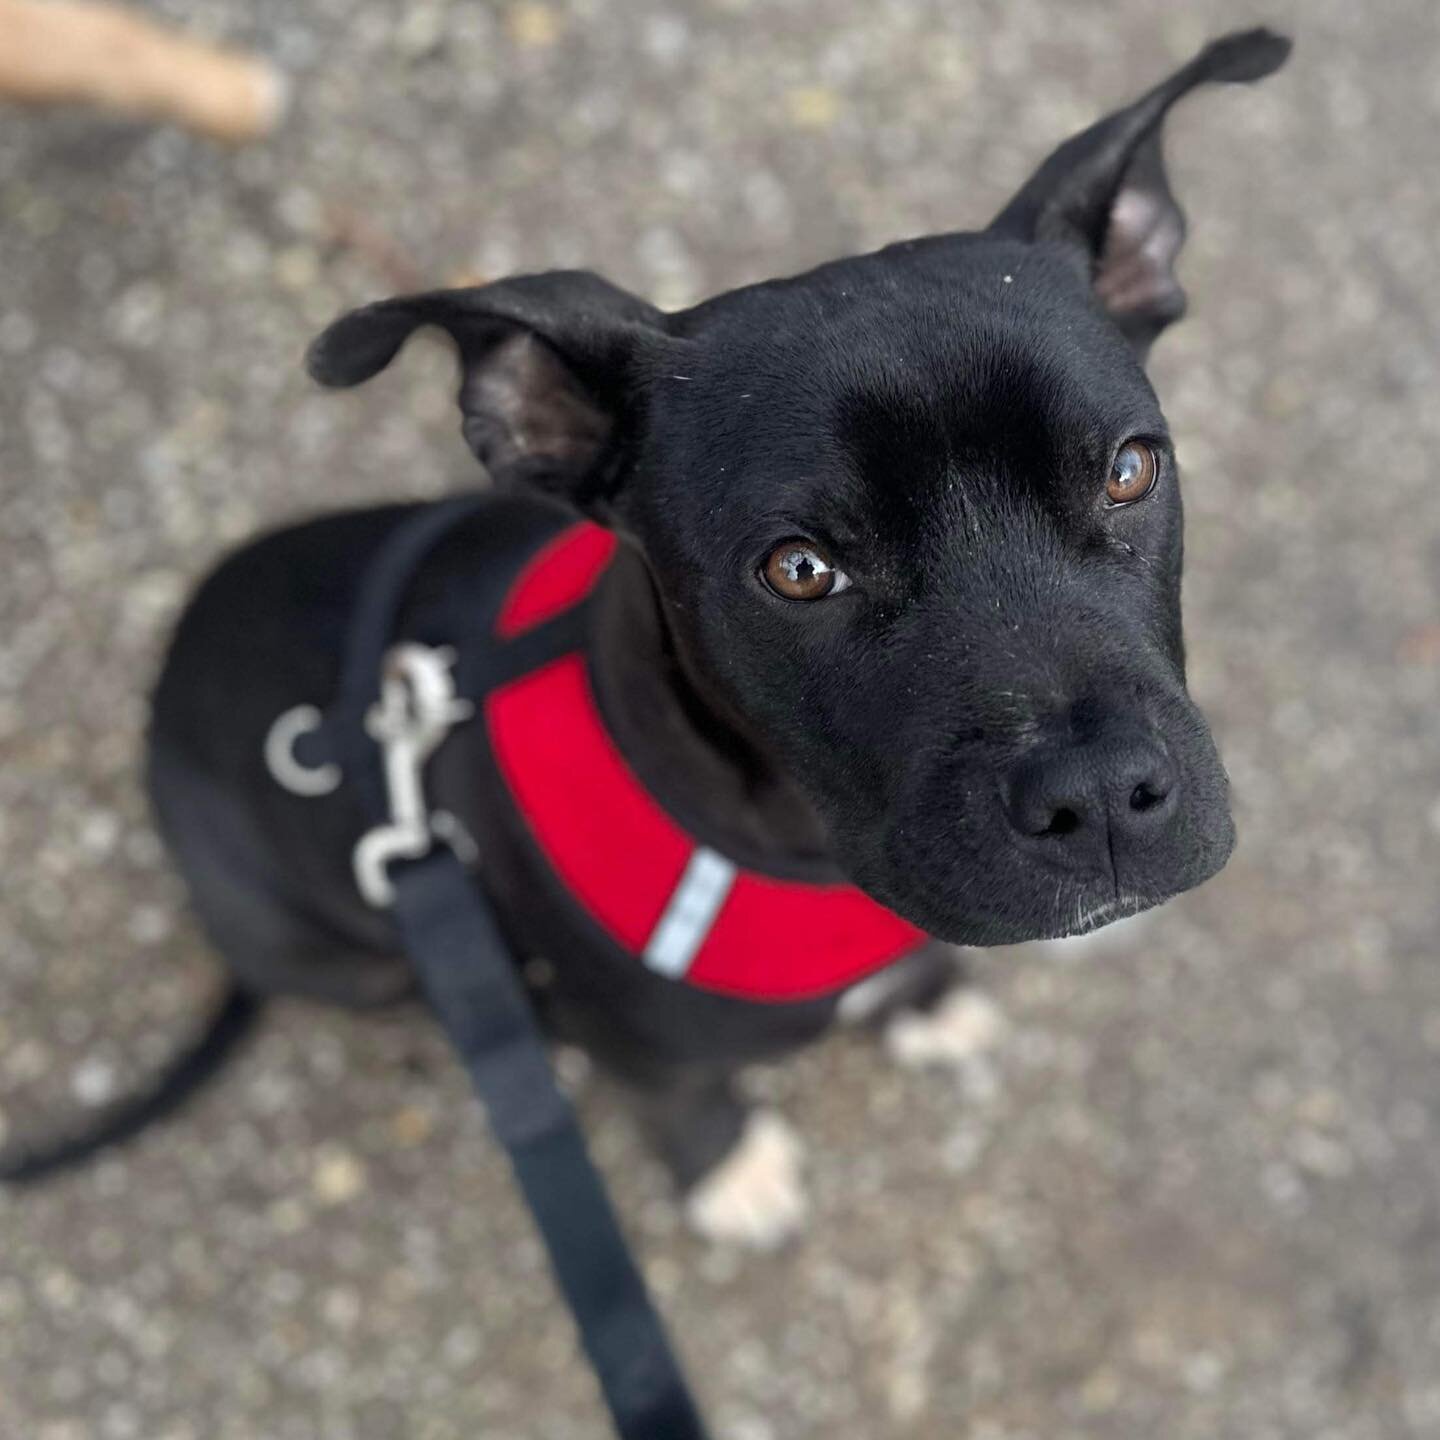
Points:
(397, 702)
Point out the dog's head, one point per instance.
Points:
(914, 521)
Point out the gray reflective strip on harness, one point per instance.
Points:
(691, 911)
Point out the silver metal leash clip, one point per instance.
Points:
(417, 709)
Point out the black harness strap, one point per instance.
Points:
(370, 635)
(472, 984)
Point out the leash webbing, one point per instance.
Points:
(472, 985)
(471, 982)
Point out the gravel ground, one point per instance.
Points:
(1197, 1193)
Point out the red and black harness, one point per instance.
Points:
(678, 907)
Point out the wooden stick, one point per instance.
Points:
(68, 50)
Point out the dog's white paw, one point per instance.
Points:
(755, 1196)
(962, 1027)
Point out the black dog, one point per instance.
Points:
(895, 601)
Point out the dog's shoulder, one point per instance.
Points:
(266, 628)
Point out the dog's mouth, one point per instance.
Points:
(1087, 920)
(1028, 903)
(1062, 918)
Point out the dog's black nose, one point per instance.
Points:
(1087, 801)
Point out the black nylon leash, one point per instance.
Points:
(471, 982)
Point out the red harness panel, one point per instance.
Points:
(562, 574)
(682, 908)
(617, 851)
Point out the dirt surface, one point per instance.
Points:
(1197, 1193)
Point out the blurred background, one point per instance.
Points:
(1197, 1192)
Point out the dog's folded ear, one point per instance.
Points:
(1104, 191)
(551, 366)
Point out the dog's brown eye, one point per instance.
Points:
(801, 570)
(1132, 473)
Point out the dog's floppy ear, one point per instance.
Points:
(550, 367)
(1104, 191)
